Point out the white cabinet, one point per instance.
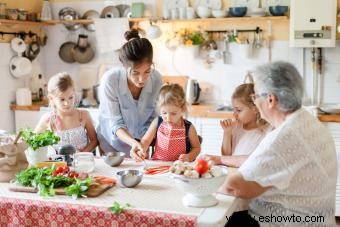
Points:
(335, 131)
(26, 118)
(211, 132)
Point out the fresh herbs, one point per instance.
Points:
(37, 140)
(42, 179)
(117, 208)
(79, 188)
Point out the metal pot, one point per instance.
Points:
(82, 52)
(65, 52)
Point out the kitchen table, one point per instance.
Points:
(155, 202)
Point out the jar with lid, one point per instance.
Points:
(12, 14)
(22, 14)
(83, 162)
(2, 10)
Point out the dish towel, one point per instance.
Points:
(110, 33)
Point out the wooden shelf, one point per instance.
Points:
(224, 19)
(83, 21)
(22, 22)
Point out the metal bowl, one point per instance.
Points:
(114, 158)
(69, 14)
(129, 178)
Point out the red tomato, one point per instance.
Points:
(201, 166)
(54, 174)
(71, 174)
(66, 169)
(60, 169)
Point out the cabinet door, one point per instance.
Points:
(24, 119)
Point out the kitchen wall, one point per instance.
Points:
(217, 79)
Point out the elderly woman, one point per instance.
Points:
(291, 176)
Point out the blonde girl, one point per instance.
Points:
(244, 132)
(74, 126)
(176, 138)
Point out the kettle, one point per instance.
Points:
(193, 91)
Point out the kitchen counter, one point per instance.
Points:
(202, 110)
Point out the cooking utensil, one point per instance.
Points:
(65, 52)
(123, 9)
(20, 66)
(129, 178)
(110, 12)
(69, 14)
(114, 158)
(226, 53)
(82, 52)
(89, 15)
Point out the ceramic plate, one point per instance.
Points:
(331, 108)
(213, 4)
(175, 4)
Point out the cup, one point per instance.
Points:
(174, 13)
(137, 9)
(182, 13)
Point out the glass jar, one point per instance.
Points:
(12, 14)
(83, 162)
(22, 14)
(2, 10)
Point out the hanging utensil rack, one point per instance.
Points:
(20, 34)
(256, 30)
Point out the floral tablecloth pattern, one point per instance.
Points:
(21, 212)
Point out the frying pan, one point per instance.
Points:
(65, 52)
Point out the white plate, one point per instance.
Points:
(213, 4)
(175, 4)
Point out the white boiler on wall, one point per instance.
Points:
(313, 23)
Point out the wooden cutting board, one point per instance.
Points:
(94, 190)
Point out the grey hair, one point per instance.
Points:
(284, 81)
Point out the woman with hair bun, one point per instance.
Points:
(128, 96)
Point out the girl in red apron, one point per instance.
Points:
(175, 137)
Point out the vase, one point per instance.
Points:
(35, 156)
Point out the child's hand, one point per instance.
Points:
(216, 159)
(185, 158)
(227, 124)
(137, 152)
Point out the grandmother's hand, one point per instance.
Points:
(214, 158)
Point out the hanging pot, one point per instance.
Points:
(20, 66)
(89, 15)
(65, 52)
(33, 50)
(82, 52)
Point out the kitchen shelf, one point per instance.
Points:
(21, 22)
(80, 21)
(224, 19)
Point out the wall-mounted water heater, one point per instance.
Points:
(312, 23)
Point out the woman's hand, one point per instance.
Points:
(137, 152)
(214, 158)
(227, 124)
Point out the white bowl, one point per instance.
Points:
(203, 12)
(219, 13)
(330, 108)
(199, 191)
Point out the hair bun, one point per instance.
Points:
(133, 33)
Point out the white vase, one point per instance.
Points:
(35, 156)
